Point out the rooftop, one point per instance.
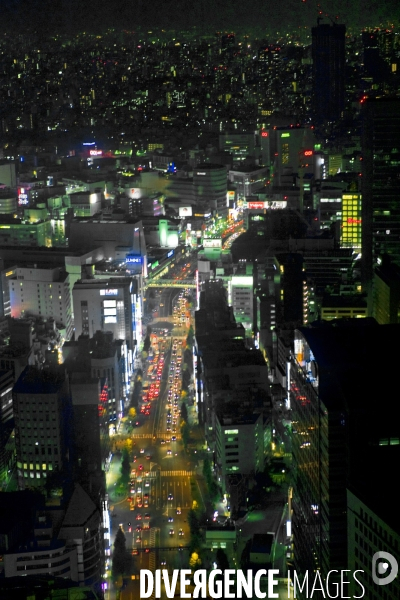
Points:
(343, 353)
(39, 381)
(80, 508)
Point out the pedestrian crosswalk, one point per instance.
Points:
(177, 473)
(164, 436)
(152, 557)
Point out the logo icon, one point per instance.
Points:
(385, 564)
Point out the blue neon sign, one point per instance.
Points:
(133, 260)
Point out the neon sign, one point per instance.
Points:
(264, 134)
(23, 197)
(308, 152)
(136, 260)
(255, 205)
(95, 152)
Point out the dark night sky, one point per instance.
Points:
(76, 15)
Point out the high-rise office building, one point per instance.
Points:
(336, 427)
(328, 55)
(372, 527)
(41, 403)
(380, 184)
(386, 294)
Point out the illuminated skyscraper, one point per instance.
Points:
(328, 54)
(380, 183)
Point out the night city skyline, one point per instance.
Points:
(94, 16)
(199, 298)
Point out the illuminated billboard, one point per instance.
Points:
(23, 196)
(212, 243)
(185, 211)
(109, 292)
(133, 260)
(255, 205)
(244, 281)
(134, 263)
(230, 198)
(258, 205)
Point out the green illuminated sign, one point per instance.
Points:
(285, 134)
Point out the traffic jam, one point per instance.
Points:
(142, 486)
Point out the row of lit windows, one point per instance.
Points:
(36, 466)
(31, 475)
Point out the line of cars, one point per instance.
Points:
(175, 382)
(151, 391)
(139, 498)
(180, 309)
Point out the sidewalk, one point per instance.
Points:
(192, 415)
(112, 477)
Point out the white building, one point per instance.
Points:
(41, 291)
(239, 445)
(108, 305)
(240, 294)
(113, 236)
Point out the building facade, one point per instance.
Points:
(210, 184)
(41, 291)
(328, 54)
(107, 305)
(41, 405)
(239, 445)
(380, 183)
(337, 428)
